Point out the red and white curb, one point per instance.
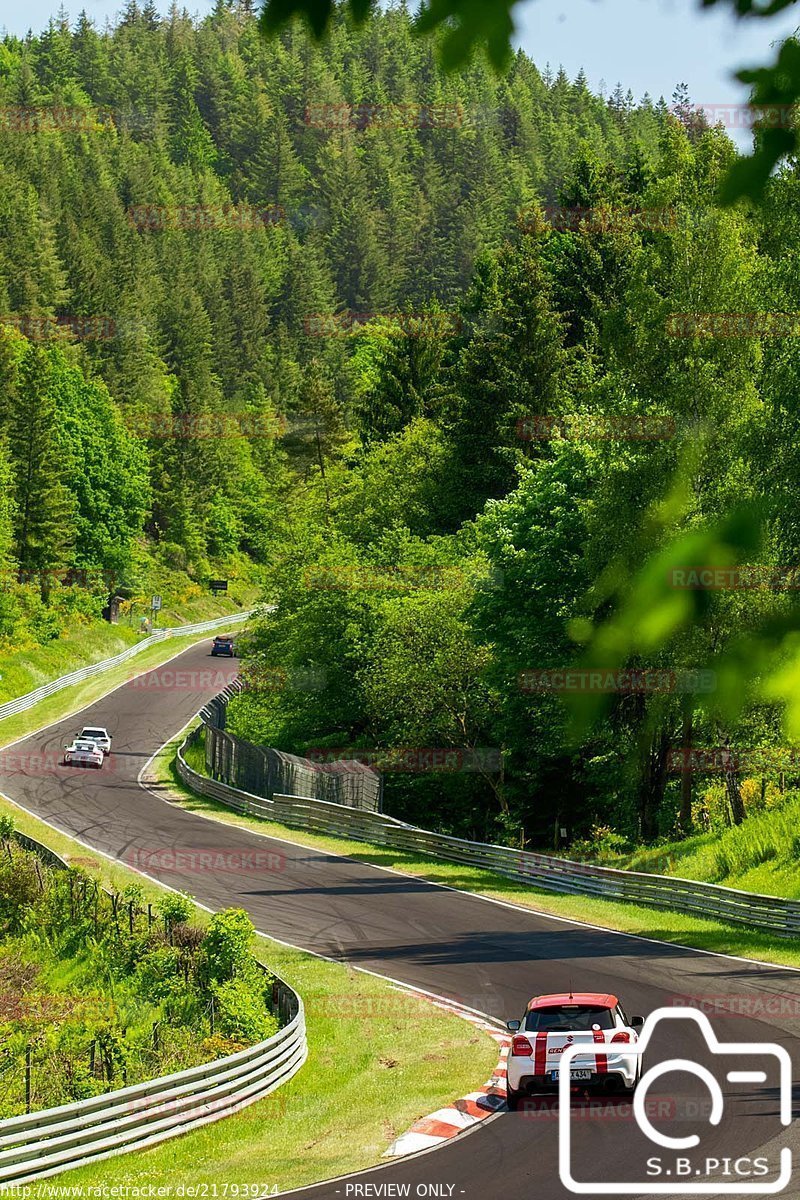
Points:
(471, 1109)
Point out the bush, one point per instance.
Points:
(158, 973)
(604, 844)
(241, 1012)
(174, 556)
(218, 1046)
(176, 909)
(711, 811)
(101, 997)
(20, 887)
(226, 946)
(759, 795)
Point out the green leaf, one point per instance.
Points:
(277, 13)
(470, 23)
(751, 8)
(776, 87)
(748, 177)
(466, 24)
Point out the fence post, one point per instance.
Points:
(28, 1078)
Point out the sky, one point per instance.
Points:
(647, 45)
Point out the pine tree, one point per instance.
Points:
(44, 509)
(150, 16)
(130, 14)
(90, 51)
(7, 505)
(54, 61)
(323, 416)
(514, 367)
(352, 240)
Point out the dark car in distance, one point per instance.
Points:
(225, 644)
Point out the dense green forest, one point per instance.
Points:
(417, 344)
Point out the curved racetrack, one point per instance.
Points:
(489, 956)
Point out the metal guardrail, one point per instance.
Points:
(47, 855)
(45, 1143)
(40, 1144)
(551, 874)
(22, 703)
(264, 771)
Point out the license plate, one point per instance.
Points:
(573, 1075)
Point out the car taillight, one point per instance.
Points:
(521, 1045)
(621, 1037)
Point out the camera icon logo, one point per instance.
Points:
(694, 1181)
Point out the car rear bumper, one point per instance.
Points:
(600, 1081)
(620, 1072)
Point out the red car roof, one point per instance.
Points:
(601, 999)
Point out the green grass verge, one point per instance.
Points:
(760, 855)
(378, 1060)
(82, 642)
(73, 699)
(662, 925)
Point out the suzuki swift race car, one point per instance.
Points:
(552, 1023)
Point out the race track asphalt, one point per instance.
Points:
(489, 956)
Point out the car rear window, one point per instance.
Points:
(93, 733)
(568, 1018)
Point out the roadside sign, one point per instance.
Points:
(155, 603)
(219, 585)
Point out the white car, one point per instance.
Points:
(93, 733)
(551, 1024)
(83, 753)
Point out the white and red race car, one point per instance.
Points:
(552, 1023)
(83, 753)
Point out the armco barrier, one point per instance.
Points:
(263, 771)
(22, 703)
(40, 1144)
(43, 852)
(544, 871)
